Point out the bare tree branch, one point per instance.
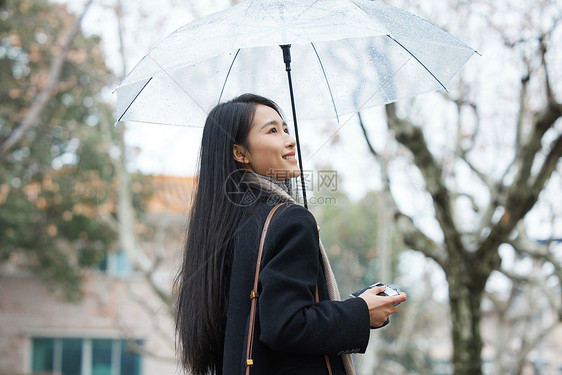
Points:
(495, 189)
(133, 346)
(410, 234)
(416, 239)
(40, 101)
(462, 102)
(530, 344)
(459, 151)
(141, 301)
(549, 164)
(164, 295)
(548, 87)
(107, 218)
(471, 198)
(522, 110)
(520, 196)
(412, 138)
(537, 251)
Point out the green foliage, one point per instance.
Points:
(57, 188)
(350, 234)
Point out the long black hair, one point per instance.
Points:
(204, 276)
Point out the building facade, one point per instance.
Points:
(122, 325)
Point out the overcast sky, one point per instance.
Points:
(173, 150)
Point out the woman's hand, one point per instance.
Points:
(380, 307)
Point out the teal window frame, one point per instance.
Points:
(84, 356)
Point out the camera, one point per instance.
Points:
(389, 291)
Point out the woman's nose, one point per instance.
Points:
(290, 141)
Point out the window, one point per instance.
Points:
(116, 264)
(101, 357)
(76, 356)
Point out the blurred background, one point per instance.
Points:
(455, 198)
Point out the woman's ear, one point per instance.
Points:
(239, 153)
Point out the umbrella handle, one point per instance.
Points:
(287, 59)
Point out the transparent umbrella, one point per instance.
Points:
(340, 56)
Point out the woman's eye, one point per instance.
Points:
(273, 130)
(286, 130)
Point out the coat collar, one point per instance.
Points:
(271, 187)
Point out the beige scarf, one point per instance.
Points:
(333, 291)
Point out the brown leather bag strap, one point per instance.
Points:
(254, 293)
(254, 297)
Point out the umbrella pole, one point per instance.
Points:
(287, 59)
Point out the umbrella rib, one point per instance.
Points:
(327, 82)
(228, 74)
(186, 93)
(177, 84)
(242, 22)
(132, 101)
(166, 123)
(418, 60)
(360, 107)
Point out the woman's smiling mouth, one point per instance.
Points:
(289, 156)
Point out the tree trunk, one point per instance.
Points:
(465, 299)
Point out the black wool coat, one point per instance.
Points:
(292, 331)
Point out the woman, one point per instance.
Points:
(247, 158)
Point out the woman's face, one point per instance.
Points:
(271, 149)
